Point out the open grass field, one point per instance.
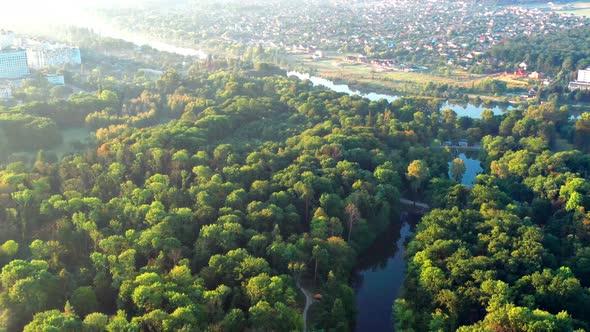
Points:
(333, 67)
(71, 136)
(512, 82)
(579, 9)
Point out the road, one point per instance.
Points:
(308, 302)
(418, 204)
(473, 147)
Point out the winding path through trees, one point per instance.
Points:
(308, 303)
(307, 294)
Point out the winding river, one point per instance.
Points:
(105, 29)
(380, 275)
(468, 110)
(102, 28)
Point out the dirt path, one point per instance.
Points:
(308, 302)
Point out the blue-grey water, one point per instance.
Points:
(380, 276)
(472, 169)
(468, 110)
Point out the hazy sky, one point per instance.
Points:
(54, 9)
(38, 13)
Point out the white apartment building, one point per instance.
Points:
(46, 56)
(7, 39)
(583, 81)
(13, 64)
(584, 75)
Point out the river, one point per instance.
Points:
(380, 276)
(468, 110)
(381, 271)
(102, 28)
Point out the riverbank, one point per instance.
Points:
(364, 76)
(460, 107)
(357, 76)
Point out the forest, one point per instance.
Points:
(258, 185)
(511, 253)
(210, 221)
(559, 54)
(211, 199)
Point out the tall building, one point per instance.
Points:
(584, 75)
(13, 64)
(46, 56)
(7, 39)
(583, 81)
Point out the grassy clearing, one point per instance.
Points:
(334, 67)
(71, 137)
(561, 144)
(512, 81)
(579, 9)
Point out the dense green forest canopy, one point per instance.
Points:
(559, 54)
(206, 200)
(208, 221)
(512, 252)
(258, 184)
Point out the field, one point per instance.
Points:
(579, 9)
(333, 67)
(72, 138)
(361, 76)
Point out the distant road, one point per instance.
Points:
(474, 147)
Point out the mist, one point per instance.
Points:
(35, 14)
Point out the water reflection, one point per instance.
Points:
(106, 29)
(380, 275)
(341, 88)
(472, 168)
(473, 111)
(469, 110)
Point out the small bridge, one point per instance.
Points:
(419, 206)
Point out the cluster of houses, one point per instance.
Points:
(522, 72)
(383, 65)
(458, 31)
